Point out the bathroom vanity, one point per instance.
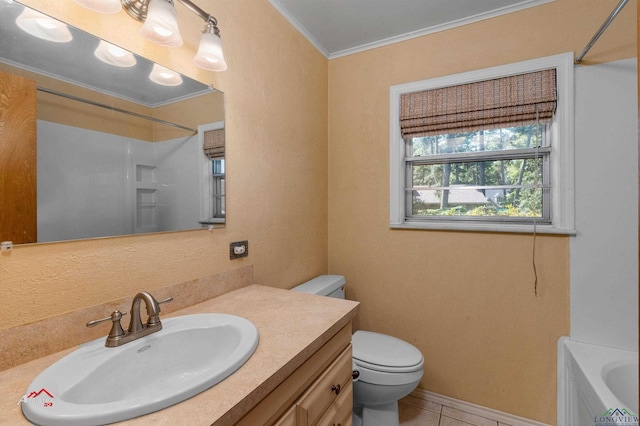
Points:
(320, 389)
(300, 374)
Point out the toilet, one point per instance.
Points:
(385, 368)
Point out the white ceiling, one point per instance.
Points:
(341, 27)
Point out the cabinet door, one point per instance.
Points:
(325, 391)
(17, 159)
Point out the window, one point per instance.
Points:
(464, 159)
(213, 205)
(217, 208)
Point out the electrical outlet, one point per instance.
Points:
(238, 249)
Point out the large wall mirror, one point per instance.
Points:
(96, 142)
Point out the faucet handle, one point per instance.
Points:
(153, 319)
(116, 331)
(115, 316)
(167, 300)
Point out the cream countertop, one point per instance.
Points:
(291, 325)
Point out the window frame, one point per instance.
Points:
(207, 178)
(543, 153)
(561, 167)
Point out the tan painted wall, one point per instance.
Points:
(466, 300)
(276, 129)
(202, 109)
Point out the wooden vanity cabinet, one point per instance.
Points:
(323, 397)
(288, 419)
(339, 413)
(319, 392)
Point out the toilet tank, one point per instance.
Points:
(324, 285)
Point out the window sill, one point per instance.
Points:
(483, 227)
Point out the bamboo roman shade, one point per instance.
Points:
(503, 102)
(214, 144)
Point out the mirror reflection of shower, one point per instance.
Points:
(93, 183)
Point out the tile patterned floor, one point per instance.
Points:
(418, 412)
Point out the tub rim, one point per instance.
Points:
(585, 363)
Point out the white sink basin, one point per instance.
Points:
(95, 385)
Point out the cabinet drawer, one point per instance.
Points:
(324, 392)
(288, 418)
(339, 414)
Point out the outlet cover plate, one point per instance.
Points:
(239, 244)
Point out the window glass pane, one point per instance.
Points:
(507, 188)
(485, 140)
(217, 166)
(217, 185)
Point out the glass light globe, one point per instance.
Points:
(101, 6)
(210, 56)
(43, 26)
(161, 25)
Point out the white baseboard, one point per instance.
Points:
(478, 410)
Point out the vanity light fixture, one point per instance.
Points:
(164, 76)
(43, 26)
(161, 27)
(101, 6)
(114, 55)
(161, 24)
(209, 56)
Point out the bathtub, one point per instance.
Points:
(595, 381)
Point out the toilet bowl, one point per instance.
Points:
(385, 368)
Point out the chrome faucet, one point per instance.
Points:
(118, 336)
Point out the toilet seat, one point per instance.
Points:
(386, 368)
(385, 360)
(383, 378)
(384, 353)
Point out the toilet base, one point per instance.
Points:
(380, 415)
(356, 417)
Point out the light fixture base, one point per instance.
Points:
(212, 27)
(137, 9)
